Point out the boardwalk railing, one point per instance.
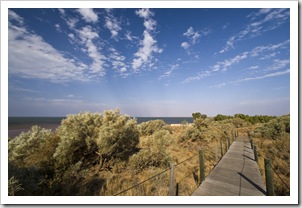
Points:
(174, 189)
(268, 171)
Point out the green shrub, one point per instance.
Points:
(14, 186)
(191, 133)
(117, 137)
(155, 154)
(77, 143)
(22, 148)
(149, 127)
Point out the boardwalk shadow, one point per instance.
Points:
(248, 147)
(251, 182)
(248, 157)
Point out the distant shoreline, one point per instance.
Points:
(16, 129)
(16, 125)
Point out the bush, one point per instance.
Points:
(191, 133)
(117, 137)
(149, 127)
(155, 153)
(77, 143)
(23, 148)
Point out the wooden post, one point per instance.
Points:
(252, 143)
(255, 153)
(171, 190)
(201, 166)
(227, 145)
(269, 178)
(177, 189)
(216, 154)
(221, 149)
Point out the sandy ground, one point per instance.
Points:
(15, 130)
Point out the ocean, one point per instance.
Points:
(57, 120)
(18, 124)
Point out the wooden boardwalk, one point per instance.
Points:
(237, 174)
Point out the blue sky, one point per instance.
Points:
(148, 62)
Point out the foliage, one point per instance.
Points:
(23, 148)
(198, 115)
(117, 137)
(149, 127)
(250, 119)
(78, 135)
(88, 152)
(14, 186)
(155, 153)
(275, 128)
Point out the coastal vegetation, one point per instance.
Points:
(106, 153)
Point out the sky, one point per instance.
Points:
(148, 62)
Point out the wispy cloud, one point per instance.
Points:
(199, 76)
(30, 56)
(112, 24)
(148, 45)
(88, 15)
(185, 45)
(264, 76)
(255, 52)
(87, 36)
(279, 64)
(262, 21)
(219, 85)
(253, 67)
(169, 72)
(118, 62)
(193, 37)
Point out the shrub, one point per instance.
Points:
(22, 148)
(14, 186)
(149, 127)
(77, 143)
(192, 133)
(117, 137)
(155, 154)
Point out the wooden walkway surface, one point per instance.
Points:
(237, 174)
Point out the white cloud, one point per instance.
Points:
(257, 51)
(199, 76)
(269, 19)
(229, 44)
(144, 13)
(88, 15)
(29, 56)
(118, 62)
(218, 85)
(58, 28)
(148, 45)
(169, 72)
(14, 16)
(185, 45)
(264, 76)
(253, 67)
(279, 64)
(87, 35)
(193, 36)
(112, 24)
(62, 11)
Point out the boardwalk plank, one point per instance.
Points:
(237, 174)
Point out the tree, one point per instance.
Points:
(198, 115)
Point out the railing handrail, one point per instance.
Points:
(154, 176)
